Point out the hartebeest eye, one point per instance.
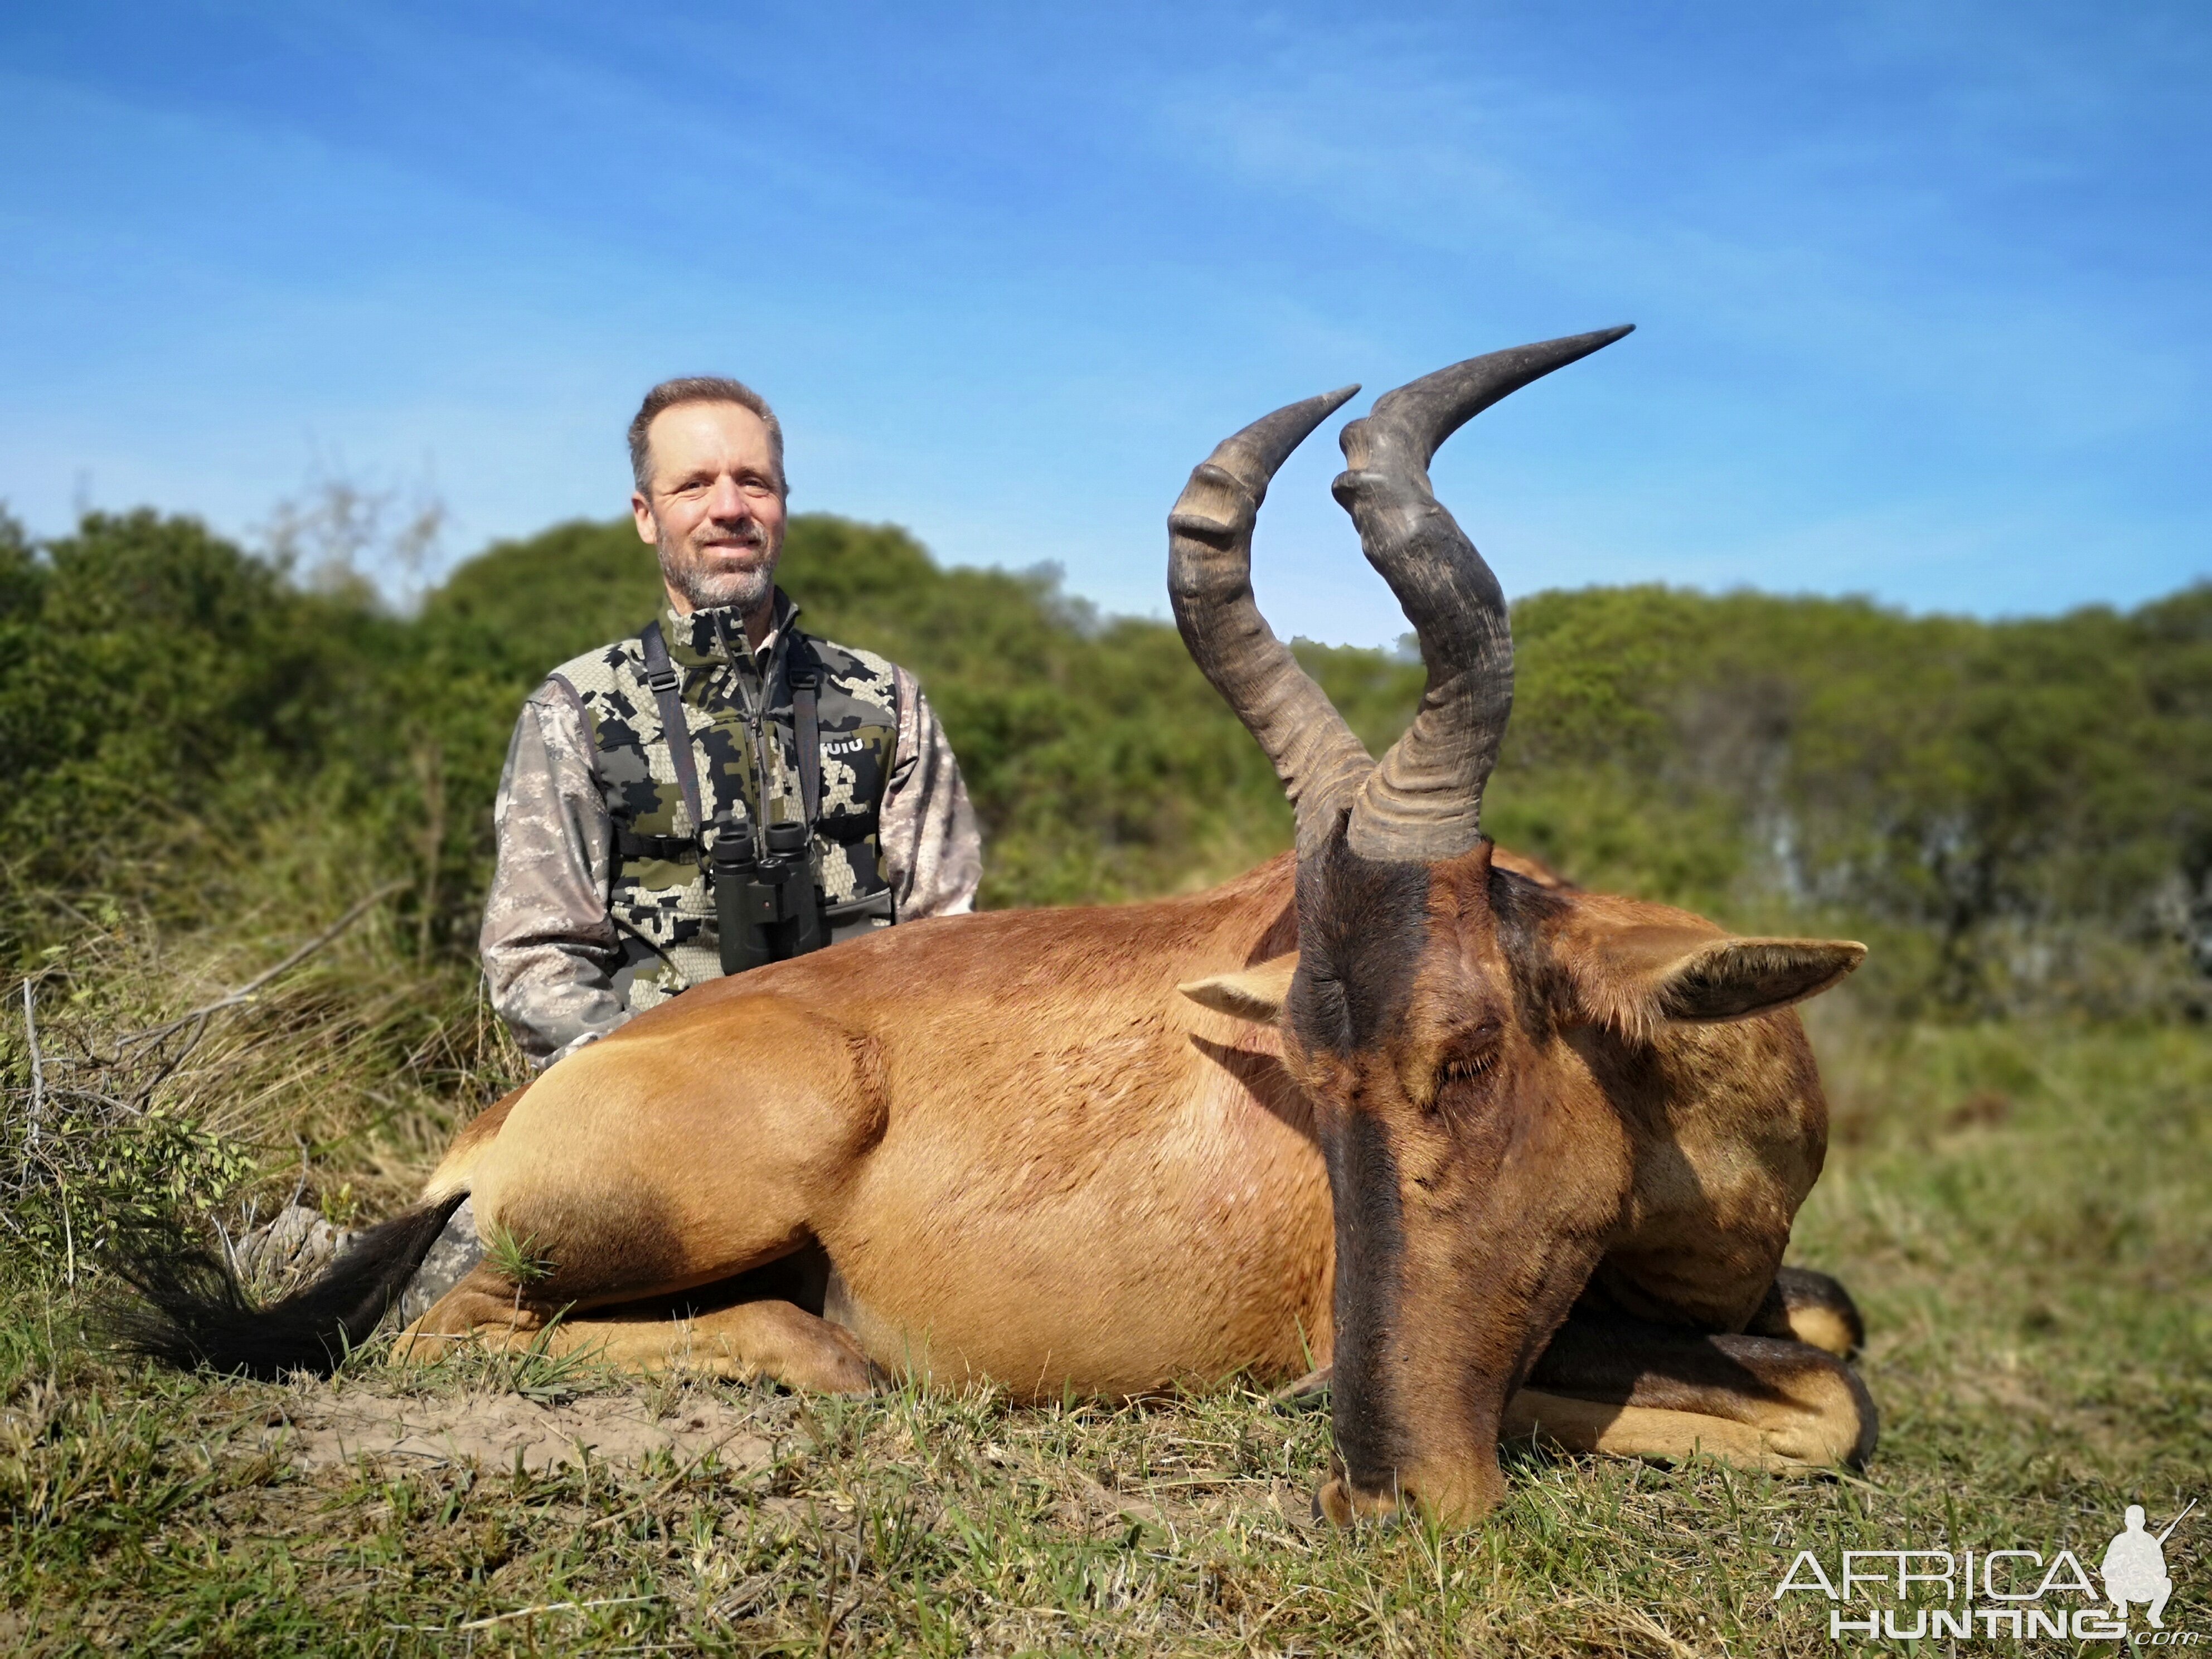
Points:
(1463, 1068)
(1470, 1058)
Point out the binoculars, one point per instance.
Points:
(768, 905)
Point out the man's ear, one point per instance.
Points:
(1734, 978)
(1255, 995)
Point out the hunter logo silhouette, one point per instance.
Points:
(2135, 1567)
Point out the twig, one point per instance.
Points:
(526, 1612)
(64, 1091)
(1313, 1383)
(71, 911)
(38, 1065)
(232, 998)
(170, 1065)
(68, 1233)
(229, 1254)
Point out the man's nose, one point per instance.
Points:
(727, 501)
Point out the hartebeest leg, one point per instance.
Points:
(769, 1337)
(647, 1166)
(1615, 1384)
(760, 1339)
(1813, 1308)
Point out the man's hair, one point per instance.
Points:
(698, 389)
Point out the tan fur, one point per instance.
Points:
(1787, 1442)
(1029, 1158)
(1531, 869)
(453, 1173)
(1823, 1329)
(1626, 954)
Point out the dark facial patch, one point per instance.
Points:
(1370, 1248)
(1362, 928)
(1524, 913)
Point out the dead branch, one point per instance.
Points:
(244, 993)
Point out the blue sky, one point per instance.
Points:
(1921, 291)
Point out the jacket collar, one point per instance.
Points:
(698, 641)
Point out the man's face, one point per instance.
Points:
(714, 509)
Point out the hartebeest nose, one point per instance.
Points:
(1449, 1496)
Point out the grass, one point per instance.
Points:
(515, 1259)
(2026, 1214)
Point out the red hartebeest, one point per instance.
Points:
(1505, 1154)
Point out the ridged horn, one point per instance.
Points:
(1210, 582)
(1425, 801)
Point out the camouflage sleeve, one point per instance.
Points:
(549, 948)
(933, 851)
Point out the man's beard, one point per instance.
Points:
(705, 589)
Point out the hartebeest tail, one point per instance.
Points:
(193, 1310)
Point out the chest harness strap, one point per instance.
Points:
(667, 691)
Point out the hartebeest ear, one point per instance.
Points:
(1732, 978)
(1255, 995)
(1648, 975)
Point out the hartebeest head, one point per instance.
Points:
(1439, 1010)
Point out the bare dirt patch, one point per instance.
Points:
(317, 1428)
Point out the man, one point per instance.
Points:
(2135, 1568)
(600, 906)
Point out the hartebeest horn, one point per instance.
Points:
(1425, 801)
(1210, 580)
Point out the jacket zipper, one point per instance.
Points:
(754, 707)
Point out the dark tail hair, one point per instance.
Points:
(190, 1309)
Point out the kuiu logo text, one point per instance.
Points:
(2003, 1590)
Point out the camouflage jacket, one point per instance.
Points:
(590, 919)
